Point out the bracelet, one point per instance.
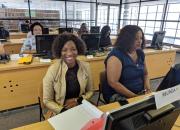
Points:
(75, 99)
(79, 100)
(147, 89)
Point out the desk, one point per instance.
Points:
(44, 125)
(17, 35)
(19, 83)
(13, 46)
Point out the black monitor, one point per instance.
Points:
(25, 28)
(91, 41)
(62, 30)
(171, 79)
(95, 29)
(4, 34)
(157, 40)
(45, 30)
(142, 116)
(44, 45)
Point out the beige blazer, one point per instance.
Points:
(54, 84)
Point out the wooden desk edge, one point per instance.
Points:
(46, 125)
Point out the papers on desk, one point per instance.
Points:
(45, 60)
(90, 56)
(16, 57)
(75, 118)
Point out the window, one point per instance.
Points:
(102, 15)
(113, 19)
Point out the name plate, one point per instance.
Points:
(167, 96)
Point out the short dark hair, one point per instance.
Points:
(126, 38)
(62, 39)
(33, 25)
(104, 30)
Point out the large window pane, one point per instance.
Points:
(170, 32)
(108, 1)
(113, 18)
(172, 16)
(13, 10)
(102, 15)
(149, 30)
(78, 13)
(171, 25)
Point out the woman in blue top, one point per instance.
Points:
(125, 65)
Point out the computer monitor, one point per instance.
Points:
(44, 44)
(171, 79)
(45, 30)
(142, 116)
(25, 28)
(157, 40)
(4, 34)
(62, 30)
(91, 41)
(95, 29)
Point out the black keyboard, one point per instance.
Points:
(150, 47)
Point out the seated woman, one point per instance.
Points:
(125, 65)
(29, 44)
(83, 29)
(68, 81)
(105, 39)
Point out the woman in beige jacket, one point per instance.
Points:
(68, 81)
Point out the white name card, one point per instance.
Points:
(167, 96)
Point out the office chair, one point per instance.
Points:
(42, 114)
(102, 78)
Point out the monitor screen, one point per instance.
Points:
(4, 34)
(171, 79)
(157, 40)
(142, 116)
(95, 29)
(91, 41)
(44, 44)
(25, 28)
(62, 30)
(45, 30)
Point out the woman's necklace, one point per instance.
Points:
(134, 57)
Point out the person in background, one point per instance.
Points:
(126, 69)
(105, 39)
(29, 44)
(83, 29)
(4, 34)
(68, 81)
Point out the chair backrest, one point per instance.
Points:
(45, 115)
(40, 96)
(102, 83)
(102, 78)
